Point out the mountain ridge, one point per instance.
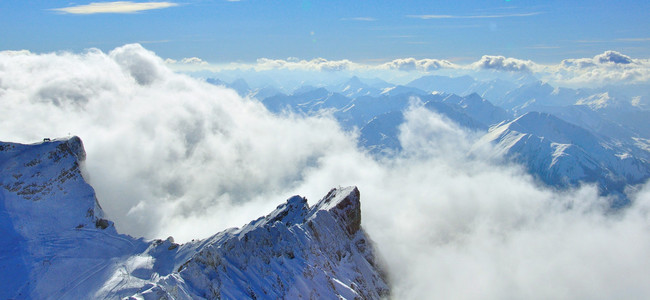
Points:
(59, 245)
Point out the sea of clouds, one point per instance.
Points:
(172, 155)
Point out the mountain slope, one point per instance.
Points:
(354, 87)
(56, 244)
(56, 223)
(562, 154)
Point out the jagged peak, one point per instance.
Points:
(291, 212)
(344, 204)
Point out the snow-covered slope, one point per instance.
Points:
(528, 96)
(59, 245)
(56, 245)
(381, 134)
(478, 108)
(563, 154)
(307, 102)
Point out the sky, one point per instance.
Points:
(362, 31)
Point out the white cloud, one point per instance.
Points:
(317, 64)
(193, 61)
(494, 16)
(411, 64)
(171, 155)
(501, 63)
(613, 57)
(634, 40)
(605, 58)
(609, 67)
(117, 7)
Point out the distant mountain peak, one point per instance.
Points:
(355, 79)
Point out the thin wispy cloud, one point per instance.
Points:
(428, 17)
(634, 40)
(117, 7)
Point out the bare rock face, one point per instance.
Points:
(57, 244)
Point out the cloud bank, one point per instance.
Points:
(609, 67)
(117, 7)
(171, 155)
(317, 64)
(411, 64)
(501, 63)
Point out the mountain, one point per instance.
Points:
(244, 90)
(478, 108)
(402, 90)
(264, 92)
(562, 154)
(627, 131)
(57, 243)
(494, 89)
(363, 109)
(381, 134)
(241, 86)
(528, 96)
(308, 102)
(354, 87)
(436, 83)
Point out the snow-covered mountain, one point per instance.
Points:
(563, 154)
(380, 134)
(57, 244)
(354, 87)
(308, 102)
(478, 108)
(243, 89)
(563, 136)
(456, 85)
(493, 89)
(528, 96)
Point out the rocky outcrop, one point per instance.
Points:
(295, 252)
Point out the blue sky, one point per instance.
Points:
(362, 31)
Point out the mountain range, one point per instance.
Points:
(562, 136)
